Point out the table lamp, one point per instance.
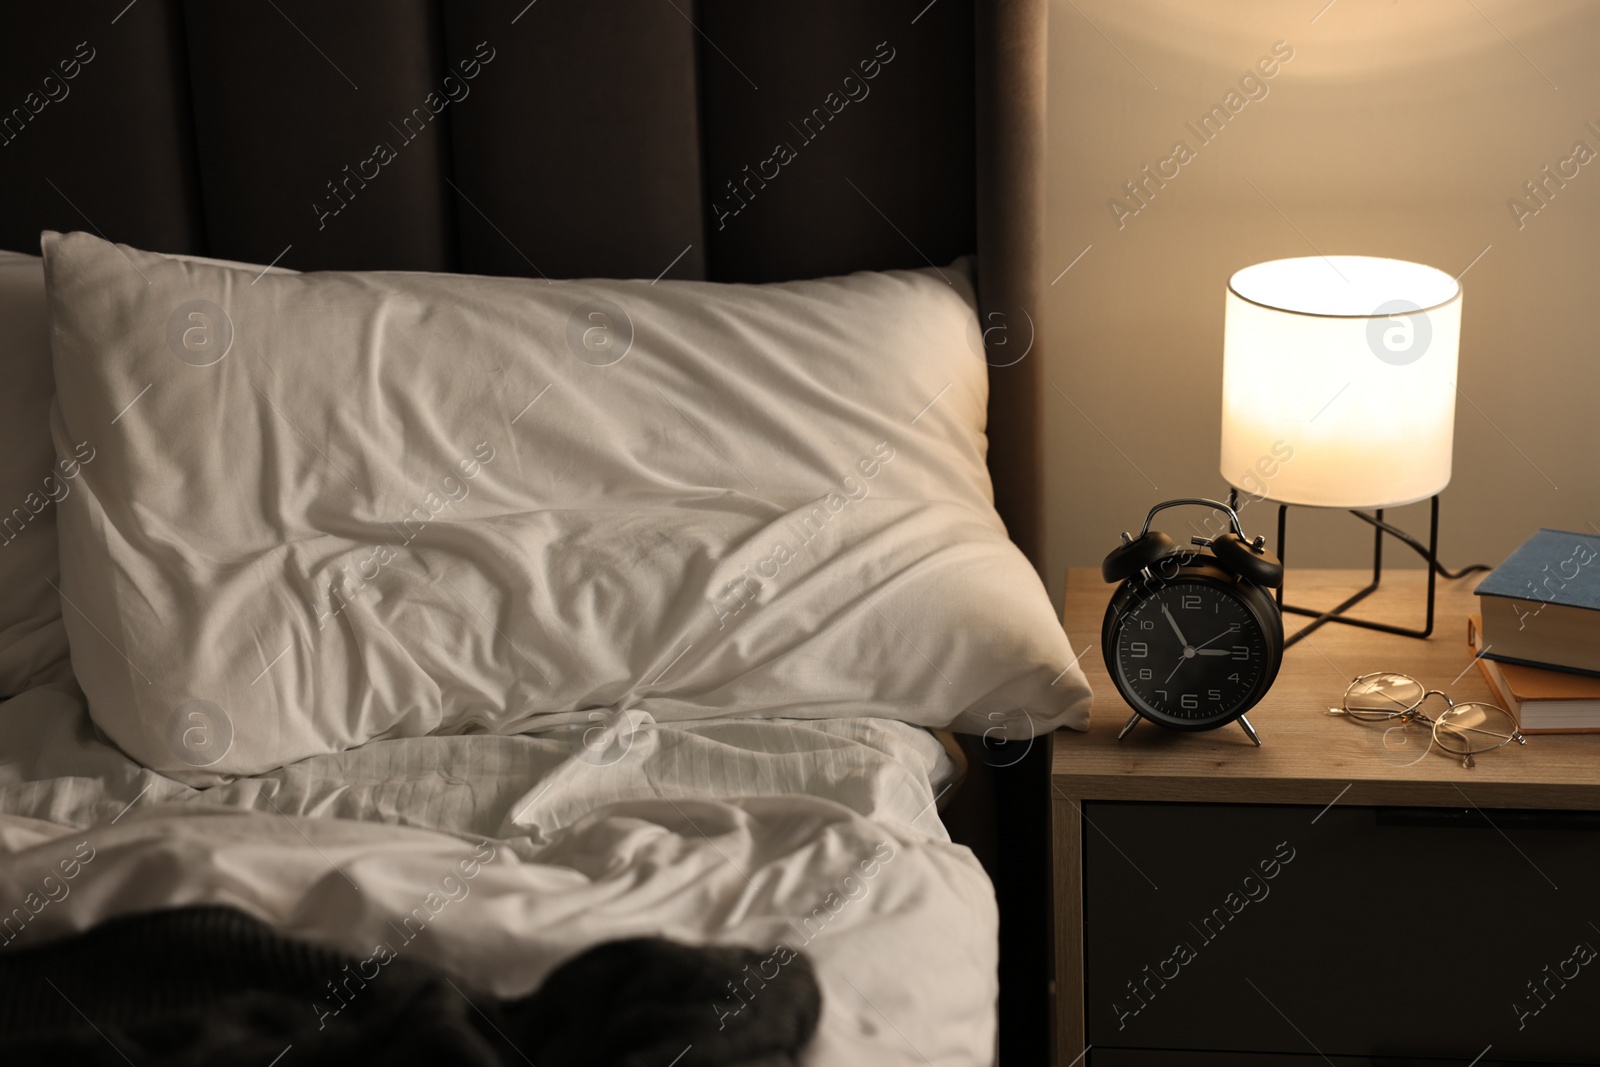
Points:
(1338, 391)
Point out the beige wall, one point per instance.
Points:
(1397, 129)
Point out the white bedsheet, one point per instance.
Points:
(819, 834)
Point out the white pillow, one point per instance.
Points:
(333, 507)
(33, 478)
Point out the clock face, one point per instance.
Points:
(1190, 651)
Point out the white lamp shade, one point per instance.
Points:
(1339, 381)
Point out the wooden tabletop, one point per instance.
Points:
(1308, 756)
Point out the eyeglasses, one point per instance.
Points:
(1464, 729)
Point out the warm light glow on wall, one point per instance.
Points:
(1350, 362)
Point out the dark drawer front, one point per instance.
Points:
(1391, 935)
(1144, 1057)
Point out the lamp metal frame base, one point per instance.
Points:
(1338, 613)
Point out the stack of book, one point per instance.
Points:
(1538, 638)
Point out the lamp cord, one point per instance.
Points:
(1418, 547)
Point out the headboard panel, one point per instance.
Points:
(905, 148)
(715, 139)
(112, 137)
(279, 117)
(587, 152)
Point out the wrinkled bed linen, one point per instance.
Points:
(820, 835)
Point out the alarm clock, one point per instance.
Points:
(1192, 638)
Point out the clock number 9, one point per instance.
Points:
(1138, 650)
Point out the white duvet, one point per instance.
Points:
(497, 857)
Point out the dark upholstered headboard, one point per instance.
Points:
(733, 140)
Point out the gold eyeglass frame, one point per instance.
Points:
(1442, 728)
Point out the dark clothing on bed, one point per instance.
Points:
(213, 986)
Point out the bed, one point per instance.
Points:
(369, 534)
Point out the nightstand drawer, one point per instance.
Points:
(1376, 933)
(1143, 1057)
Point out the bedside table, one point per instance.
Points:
(1339, 895)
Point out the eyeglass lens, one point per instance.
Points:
(1473, 727)
(1383, 695)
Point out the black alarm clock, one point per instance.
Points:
(1192, 638)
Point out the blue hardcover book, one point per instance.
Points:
(1542, 605)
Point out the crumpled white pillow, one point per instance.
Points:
(332, 507)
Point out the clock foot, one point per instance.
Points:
(1131, 724)
(1251, 730)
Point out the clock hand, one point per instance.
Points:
(1204, 643)
(1174, 623)
(1174, 670)
(1213, 652)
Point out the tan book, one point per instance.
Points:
(1543, 702)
